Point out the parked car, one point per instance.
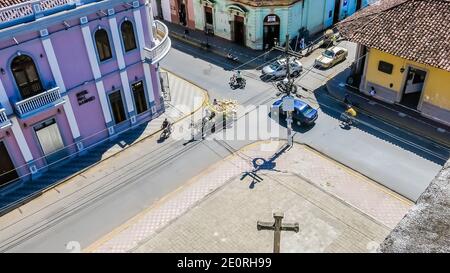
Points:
(303, 113)
(331, 56)
(278, 69)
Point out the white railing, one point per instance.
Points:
(43, 99)
(163, 44)
(4, 121)
(29, 8)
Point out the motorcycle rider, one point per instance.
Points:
(166, 125)
(239, 77)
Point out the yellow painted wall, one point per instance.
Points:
(437, 84)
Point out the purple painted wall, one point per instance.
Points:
(32, 48)
(146, 30)
(89, 116)
(72, 57)
(76, 71)
(30, 135)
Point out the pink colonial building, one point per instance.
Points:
(72, 73)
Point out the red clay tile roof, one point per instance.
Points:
(7, 3)
(416, 30)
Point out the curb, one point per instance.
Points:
(198, 45)
(390, 121)
(66, 180)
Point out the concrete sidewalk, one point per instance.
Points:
(185, 99)
(394, 114)
(221, 46)
(338, 209)
(218, 45)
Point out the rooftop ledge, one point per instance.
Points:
(29, 11)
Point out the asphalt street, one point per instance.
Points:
(403, 162)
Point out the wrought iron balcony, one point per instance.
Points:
(29, 11)
(39, 102)
(4, 121)
(163, 44)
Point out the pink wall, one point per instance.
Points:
(89, 116)
(72, 57)
(32, 48)
(31, 138)
(75, 68)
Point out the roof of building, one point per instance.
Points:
(426, 227)
(416, 30)
(266, 3)
(7, 3)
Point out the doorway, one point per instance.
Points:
(182, 12)
(337, 11)
(271, 32)
(358, 4)
(239, 30)
(118, 111)
(209, 21)
(140, 100)
(7, 170)
(50, 140)
(412, 91)
(159, 10)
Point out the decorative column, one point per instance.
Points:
(89, 43)
(54, 67)
(23, 145)
(146, 67)
(121, 63)
(4, 99)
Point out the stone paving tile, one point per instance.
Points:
(338, 182)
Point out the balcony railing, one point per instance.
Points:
(39, 102)
(4, 121)
(163, 44)
(29, 11)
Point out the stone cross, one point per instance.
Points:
(277, 227)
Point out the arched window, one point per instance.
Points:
(129, 41)
(26, 76)
(103, 47)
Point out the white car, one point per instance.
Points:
(331, 56)
(278, 69)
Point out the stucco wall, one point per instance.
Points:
(72, 58)
(434, 91)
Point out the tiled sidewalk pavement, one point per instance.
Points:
(185, 98)
(357, 210)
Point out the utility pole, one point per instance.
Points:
(286, 87)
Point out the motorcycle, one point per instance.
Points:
(235, 84)
(231, 57)
(166, 132)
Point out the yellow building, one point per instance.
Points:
(403, 54)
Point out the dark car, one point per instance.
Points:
(303, 113)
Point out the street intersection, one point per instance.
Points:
(146, 173)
